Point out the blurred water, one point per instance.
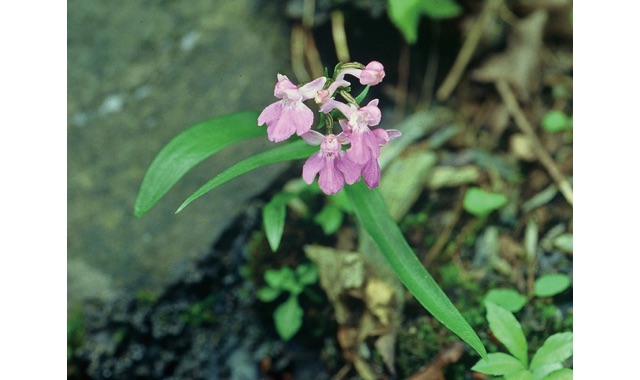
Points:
(139, 72)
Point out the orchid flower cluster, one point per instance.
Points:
(334, 166)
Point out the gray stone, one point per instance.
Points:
(140, 72)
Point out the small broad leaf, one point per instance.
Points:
(507, 298)
(480, 203)
(523, 374)
(285, 152)
(188, 149)
(307, 274)
(551, 284)
(283, 278)
(406, 14)
(267, 294)
(507, 329)
(544, 370)
(372, 214)
(556, 349)
(563, 374)
(273, 218)
(329, 218)
(555, 121)
(288, 318)
(498, 364)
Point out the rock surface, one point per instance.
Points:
(139, 73)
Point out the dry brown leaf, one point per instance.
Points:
(435, 369)
(519, 64)
(349, 279)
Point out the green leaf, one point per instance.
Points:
(564, 242)
(329, 218)
(374, 218)
(555, 121)
(563, 374)
(288, 318)
(523, 374)
(273, 217)
(406, 14)
(440, 9)
(267, 294)
(507, 329)
(507, 298)
(364, 93)
(556, 349)
(498, 364)
(286, 152)
(188, 149)
(551, 284)
(480, 203)
(283, 278)
(307, 274)
(544, 370)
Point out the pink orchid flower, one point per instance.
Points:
(371, 75)
(330, 162)
(364, 145)
(290, 115)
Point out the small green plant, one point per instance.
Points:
(556, 121)
(546, 286)
(480, 203)
(547, 363)
(288, 315)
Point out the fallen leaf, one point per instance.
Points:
(520, 63)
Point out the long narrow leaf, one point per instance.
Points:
(188, 149)
(373, 216)
(287, 152)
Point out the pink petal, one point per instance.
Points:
(372, 73)
(371, 173)
(393, 133)
(271, 114)
(313, 137)
(372, 112)
(349, 169)
(311, 167)
(294, 117)
(358, 152)
(331, 180)
(310, 89)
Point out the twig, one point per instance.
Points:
(468, 47)
(429, 80)
(313, 55)
(403, 81)
(545, 159)
(297, 53)
(339, 36)
(342, 373)
(436, 249)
